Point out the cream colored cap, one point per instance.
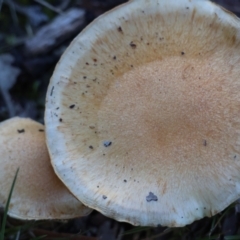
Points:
(143, 112)
(38, 193)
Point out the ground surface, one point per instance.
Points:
(26, 65)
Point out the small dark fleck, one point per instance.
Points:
(104, 154)
(95, 60)
(107, 143)
(95, 79)
(125, 180)
(182, 53)
(196, 208)
(72, 106)
(132, 66)
(21, 130)
(87, 63)
(235, 156)
(148, 43)
(204, 143)
(181, 217)
(91, 147)
(57, 108)
(41, 130)
(88, 86)
(52, 91)
(84, 77)
(131, 169)
(187, 7)
(97, 186)
(104, 197)
(120, 29)
(133, 45)
(114, 58)
(161, 38)
(151, 197)
(60, 119)
(204, 208)
(91, 127)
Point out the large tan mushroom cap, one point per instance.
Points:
(38, 193)
(143, 112)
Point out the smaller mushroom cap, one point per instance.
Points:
(38, 193)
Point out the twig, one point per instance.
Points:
(1, 2)
(12, 8)
(48, 5)
(9, 103)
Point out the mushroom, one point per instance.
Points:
(38, 193)
(148, 98)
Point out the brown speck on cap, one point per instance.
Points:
(133, 45)
(21, 130)
(120, 29)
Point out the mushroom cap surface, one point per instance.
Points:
(38, 192)
(142, 113)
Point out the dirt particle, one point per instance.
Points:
(120, 29)
(60, 119)
(72, 106)
(125, 180)
(21, 130)
(133, 45)
(84, 77)
(151, 197)
(91, 147)
(52, 91)
(107, 143)
(182, 53)
(41, 130)
(104, 197)
(114, 57)
(204, 143)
